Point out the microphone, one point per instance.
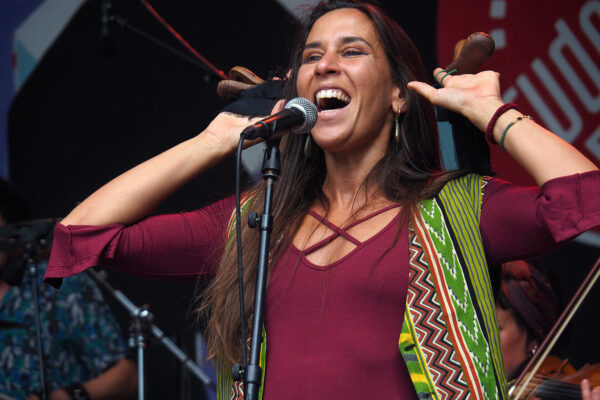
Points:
(298, 116)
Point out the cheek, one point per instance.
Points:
(513, 346)
(506, 340)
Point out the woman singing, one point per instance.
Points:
(378, 281)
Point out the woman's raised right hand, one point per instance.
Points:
(226, 128)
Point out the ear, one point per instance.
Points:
(398, 101)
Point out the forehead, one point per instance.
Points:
(342, 23)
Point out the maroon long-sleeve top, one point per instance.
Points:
(332, 330)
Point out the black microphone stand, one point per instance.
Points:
(271, 169)
(141, 324)
(33, 273)
(35, 237)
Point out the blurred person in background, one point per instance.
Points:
(83, 346)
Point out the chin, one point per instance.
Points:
(330, 144)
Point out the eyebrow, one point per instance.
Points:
(344, 40)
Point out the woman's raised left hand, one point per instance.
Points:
(476, 96)
(544, 156)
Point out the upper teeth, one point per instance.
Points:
(332, 93)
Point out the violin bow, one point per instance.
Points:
(534, 363)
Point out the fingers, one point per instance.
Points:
(596, 393)
(587, 393)
(278, 106)
(427, 90)
(438, 73)
(423, 89)
(585, 390)
(441, 75)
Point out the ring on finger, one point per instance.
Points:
(447, 73)
(438, 74)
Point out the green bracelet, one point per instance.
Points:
(509, 126)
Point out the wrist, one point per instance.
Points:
(77, 391)
(219, 146)
(481, 114)
(491, 128)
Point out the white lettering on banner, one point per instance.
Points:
(590, 98)
(510, 95)
(585, 16)
(567, 133)
(566, 38)
(593, 143)
(498, 9)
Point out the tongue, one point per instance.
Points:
(331, 103)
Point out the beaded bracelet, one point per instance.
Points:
(509, 126)
(489, 132)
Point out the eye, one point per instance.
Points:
(311, 57)
(353, 52)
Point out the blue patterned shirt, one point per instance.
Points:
(80, 336)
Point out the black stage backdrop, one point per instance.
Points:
(92, 109)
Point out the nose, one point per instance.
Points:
(327, 65)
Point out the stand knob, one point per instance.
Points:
(237, 372)
(253, 220)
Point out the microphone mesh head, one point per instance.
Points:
(308, 109)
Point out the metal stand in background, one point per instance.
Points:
(141, 321)
(33, 272)
(141, 325)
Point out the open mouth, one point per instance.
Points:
(331, 99)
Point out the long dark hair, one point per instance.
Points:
(407, 176)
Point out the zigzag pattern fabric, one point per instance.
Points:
(470, 346)
(456, 264)
(424, 317)
(463, 216)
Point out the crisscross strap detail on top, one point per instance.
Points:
(337, 231)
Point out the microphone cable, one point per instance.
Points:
(238, 234)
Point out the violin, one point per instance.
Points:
(549, 377)
(556, 378)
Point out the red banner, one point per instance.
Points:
(548, 55)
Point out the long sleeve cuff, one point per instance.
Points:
(70, 257)
(572, 204)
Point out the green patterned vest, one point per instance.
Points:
(449, 339)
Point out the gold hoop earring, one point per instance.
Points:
(308, 146)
